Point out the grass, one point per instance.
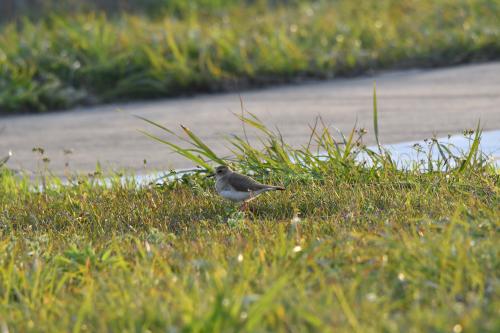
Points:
(351, 246)
(12, 10)
(65, 60)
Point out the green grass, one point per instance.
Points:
(12, 10)
(65, 60)
(349, 246)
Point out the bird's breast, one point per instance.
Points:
(235, 195)
(221, 185)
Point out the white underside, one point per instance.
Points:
(240, 196)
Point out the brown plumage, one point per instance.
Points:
(237, 187)
(244, 183)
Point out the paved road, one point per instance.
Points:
(412, 105)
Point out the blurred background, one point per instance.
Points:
(60, 54)
(14, 9)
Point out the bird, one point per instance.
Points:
(237, 187)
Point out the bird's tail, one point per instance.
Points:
(277, 188)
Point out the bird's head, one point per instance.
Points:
(221, 171)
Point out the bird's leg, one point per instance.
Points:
(244, 206)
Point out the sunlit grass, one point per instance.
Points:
(66, 60)
(349, 246)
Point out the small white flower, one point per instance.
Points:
(297, 248)
(240, 257)
(296, 219)
(457, 328)
(401, 277)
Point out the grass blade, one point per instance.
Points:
(375, 116)
(197, 142)
(473, 149)
(181, 151)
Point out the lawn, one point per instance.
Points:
(65, 59)
(350, 246)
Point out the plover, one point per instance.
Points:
(237, 187)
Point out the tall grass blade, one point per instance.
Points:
(156, 124)
(197, 142)
(181, 151)
(265, 303)
(473, 149)
(346, 308)
(375, 116)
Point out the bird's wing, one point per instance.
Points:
(244, 184)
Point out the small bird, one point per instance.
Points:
(237, 187)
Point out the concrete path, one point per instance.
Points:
(412, 104)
